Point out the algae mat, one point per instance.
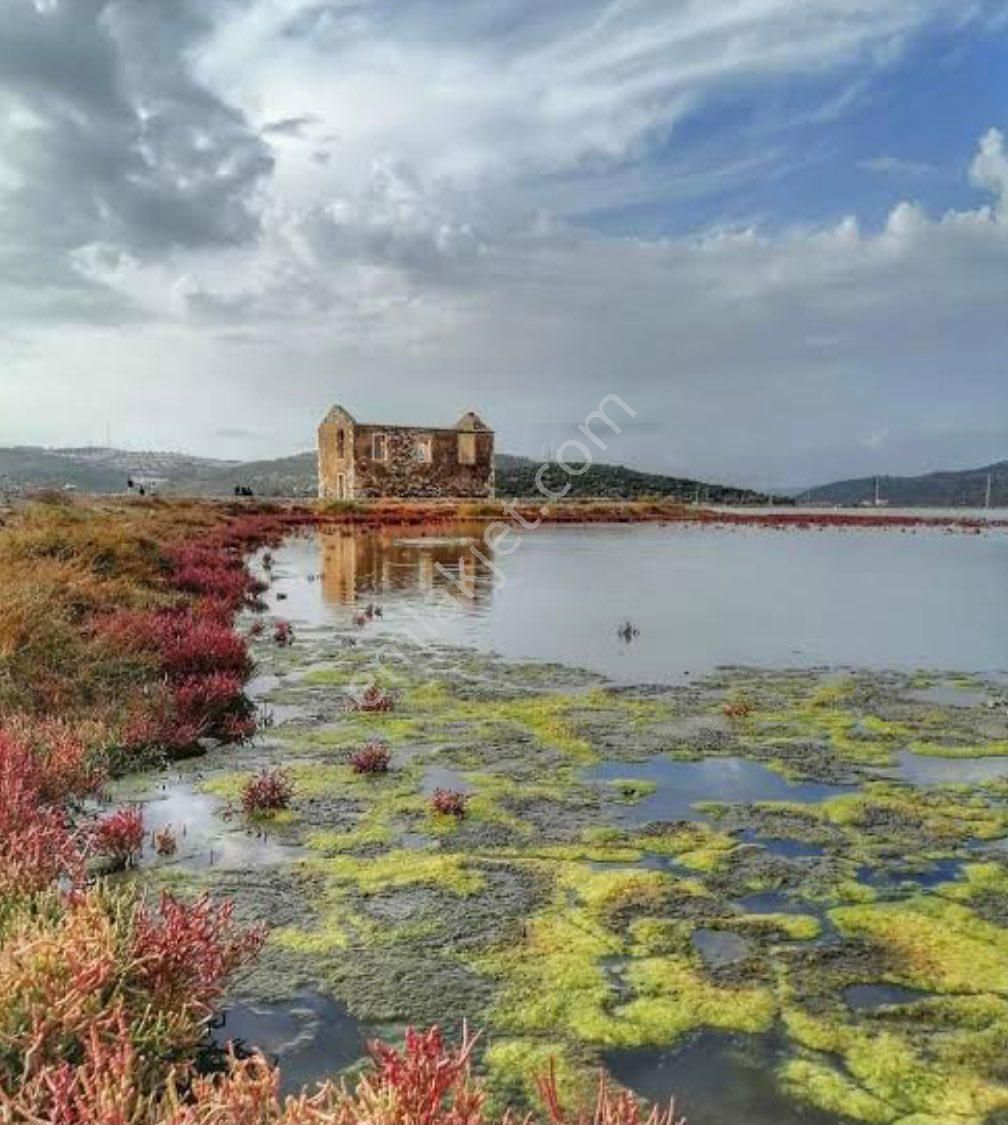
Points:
(744, 874)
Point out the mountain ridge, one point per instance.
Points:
(106, 470)
(944, 488)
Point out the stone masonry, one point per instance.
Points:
(365, 461)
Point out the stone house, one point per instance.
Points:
(365, 461)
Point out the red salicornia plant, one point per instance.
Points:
(165, 841)
(611, 1107)
(738, 709)
(428, 1082)
(283, 634)
(120, 836)
(372, 757)
(373, 698)
(268, 791)
(449, 802)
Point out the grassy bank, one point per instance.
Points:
(118, 650)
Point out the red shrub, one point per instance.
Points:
(153, 720)
(165, 841)
(185, 951)
(205, 663)
(237, 728)
(182, 645)
(448, 802)
(426, 1083)
(256, 629)
(106, 998)
(54, 759)
(738, 709)
(215, 705)
(215, 573)
(372, 698)
(37, 843)
(120, 836)
(372, 757)
(268, 791)
(190, 647)
(611, 1108)
(283, 634)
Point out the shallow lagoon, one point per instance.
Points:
(700, 597)
(587, 908)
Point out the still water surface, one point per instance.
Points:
(663, 604)
(696, 598)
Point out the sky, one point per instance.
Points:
(777, 229)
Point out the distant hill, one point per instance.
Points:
(292, 477)
(95, 469)
(966, 488)
(516, 476)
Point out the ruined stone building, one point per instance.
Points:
(365, 461)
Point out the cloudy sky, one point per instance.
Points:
(777, 228)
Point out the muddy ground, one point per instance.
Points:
(814, 859)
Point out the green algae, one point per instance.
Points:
(887, 1077)
(532, 917)
(940, 945)
(632, 789)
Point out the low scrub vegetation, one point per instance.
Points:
(447, 802)
(373, 699)
(372, 757)
(120, 619)
(267, 792)
(119, 837)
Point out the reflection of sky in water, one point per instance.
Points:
(717, 1079)
(701, 597)
(312, 1036)
(204, 837)
(682, 784)
(921, 769)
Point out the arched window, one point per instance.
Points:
(340, 442)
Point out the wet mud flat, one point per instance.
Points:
(755, 891)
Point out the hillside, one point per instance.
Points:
(107, 471)
(962, 489)
(26, 466)
(294, 476)
(516, 476)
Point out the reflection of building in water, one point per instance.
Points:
(362, 564)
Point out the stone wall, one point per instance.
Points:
(401, 473)
(332, 466)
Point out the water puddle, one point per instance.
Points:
(312, 1036)
(204, 838)
(443, 777)
(717, 1079)
(870, 997)
(780, 902)
(950, 695)
(718, 948)
(894, 877)
(682, 785)
(918, 769)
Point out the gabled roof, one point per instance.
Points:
(471, 421)
(337, 411)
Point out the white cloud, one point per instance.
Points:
(990, 168)
(301, 201)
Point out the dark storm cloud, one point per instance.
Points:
(418, 206)
(110, 139)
